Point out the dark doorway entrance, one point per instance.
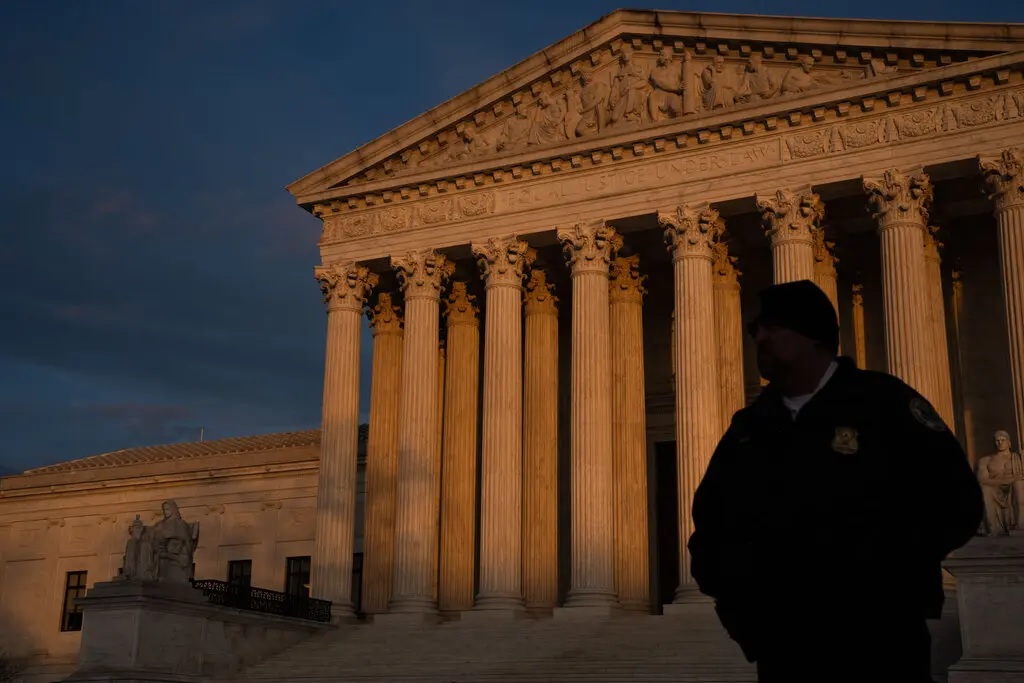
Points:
(666, 506)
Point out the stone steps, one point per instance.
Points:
(686, 648)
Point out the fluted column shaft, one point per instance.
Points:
(416, 517)
(540, 445)
(589, 248)
(901, 207)
(691, 234)
(937, 339)
(859, 335)
(825, 268)
(791, 218)
(435, 536)
(345, 288)
(458, 487)
(382, 456)
(629, 434)
(1005, 180)
(728, 334)
(502, 261)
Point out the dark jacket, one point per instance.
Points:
(854, 503)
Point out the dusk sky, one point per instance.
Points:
(155, 276)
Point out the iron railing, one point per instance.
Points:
(262, 600)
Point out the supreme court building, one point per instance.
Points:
(556, 266)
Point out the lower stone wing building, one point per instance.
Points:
(556, 265)
(63, 528)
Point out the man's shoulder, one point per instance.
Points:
(879, 385)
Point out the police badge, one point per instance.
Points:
(845, 441)
(926, 415)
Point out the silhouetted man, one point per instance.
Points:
(827, 508)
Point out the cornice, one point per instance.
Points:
(171, 478)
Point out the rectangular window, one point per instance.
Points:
(296, 580)
(71, 613)
(240, 573)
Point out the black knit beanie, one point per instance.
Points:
(800, 306)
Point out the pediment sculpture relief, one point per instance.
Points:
(162, 552)
(637, 87)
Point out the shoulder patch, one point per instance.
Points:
(926, 415)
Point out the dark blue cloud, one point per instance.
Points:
(155, 277)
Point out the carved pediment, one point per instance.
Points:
(629, 79)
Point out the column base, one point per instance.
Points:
(688, 595)
(590, 598)
(343, 614)
(498, 602)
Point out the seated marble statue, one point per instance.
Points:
(1001, 475)
(162, 552)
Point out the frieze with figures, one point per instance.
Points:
(835, 137)
(638, 83)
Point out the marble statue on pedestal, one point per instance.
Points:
(162, 552)
(1001, 475)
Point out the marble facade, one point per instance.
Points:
(606, 210)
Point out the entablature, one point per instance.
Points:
(914, 107)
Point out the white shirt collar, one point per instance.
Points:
(795, 403)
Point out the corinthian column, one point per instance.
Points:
(690, 234)
(1004, 178)
(936, 320)
(629, 433)
(345, 288)
(900, 201)
(859, 337)
(791, 219)
(458, 487)
(825, 268)
(540, 446)
(422, 273)
(502, 261)
(728, 333)
(589, 248)
(382, 455)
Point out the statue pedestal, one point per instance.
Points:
(990, 596)
(141, 632)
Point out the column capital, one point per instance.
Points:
(459, 308)
(345, 286)
(589, 247)
(625, 282)
(858, 294)
(385, 317)
(691, 231)
(824, 253)
(1004, 177)
(791, 215)
(899, 198)
(422, 273)
(540, 296)
(724, 268)
(957, 278)
(502, 260)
